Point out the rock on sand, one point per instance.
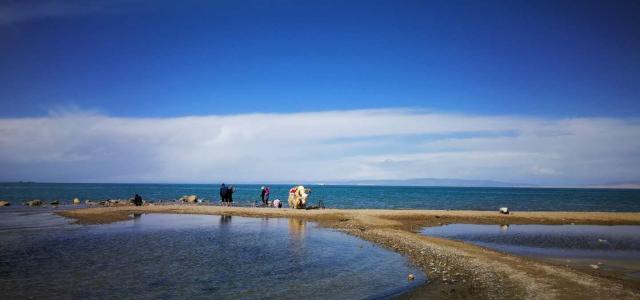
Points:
(4, 203)
(34, 202)
(189, 199)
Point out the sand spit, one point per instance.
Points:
(456, 270)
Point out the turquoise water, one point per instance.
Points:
(465, 198)
(160, 256)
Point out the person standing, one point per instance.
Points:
(137, 200)
(230, 192)
(224, 192)
(263, 196)
(266, 195)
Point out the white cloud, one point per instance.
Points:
(357, 144)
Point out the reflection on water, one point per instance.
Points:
(297, 228)
(195, 256)
(620, 242)
(613, 247)
(224, 220)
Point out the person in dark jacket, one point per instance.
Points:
(264, 196)
(230, 192)
(137, 200)
(224, 192)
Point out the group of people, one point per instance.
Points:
(226, 195)
(297, 197)
(264, 196)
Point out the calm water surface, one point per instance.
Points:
(568, 241)
(465, 198)
(191, 256)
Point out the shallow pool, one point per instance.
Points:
(583, 241)
(193, 256)
(613, 248)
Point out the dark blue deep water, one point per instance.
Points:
(454, 198)
(160, 256)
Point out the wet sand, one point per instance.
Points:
(455, 269)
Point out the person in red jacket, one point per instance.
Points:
(264, 195)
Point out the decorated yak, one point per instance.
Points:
(298, 197)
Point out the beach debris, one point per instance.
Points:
(277, 203)
(594, 266)
(504, 210)
(411, 276)
(4, 203)
(34, 202)
(189, 199)
(89, 202)
(55, 202)
(76, 200)
(116, 202)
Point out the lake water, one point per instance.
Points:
(191, 256)
(465, 198)
(615, 247)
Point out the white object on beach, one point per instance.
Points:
(277, 203)
(504, 210)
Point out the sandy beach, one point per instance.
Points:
(455, 269)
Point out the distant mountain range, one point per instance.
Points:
(445, 182)
(612, 186)
(448, 182)
(433, 182)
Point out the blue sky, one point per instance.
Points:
(164, 58)
(542, 92)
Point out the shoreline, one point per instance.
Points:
(455, 269)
